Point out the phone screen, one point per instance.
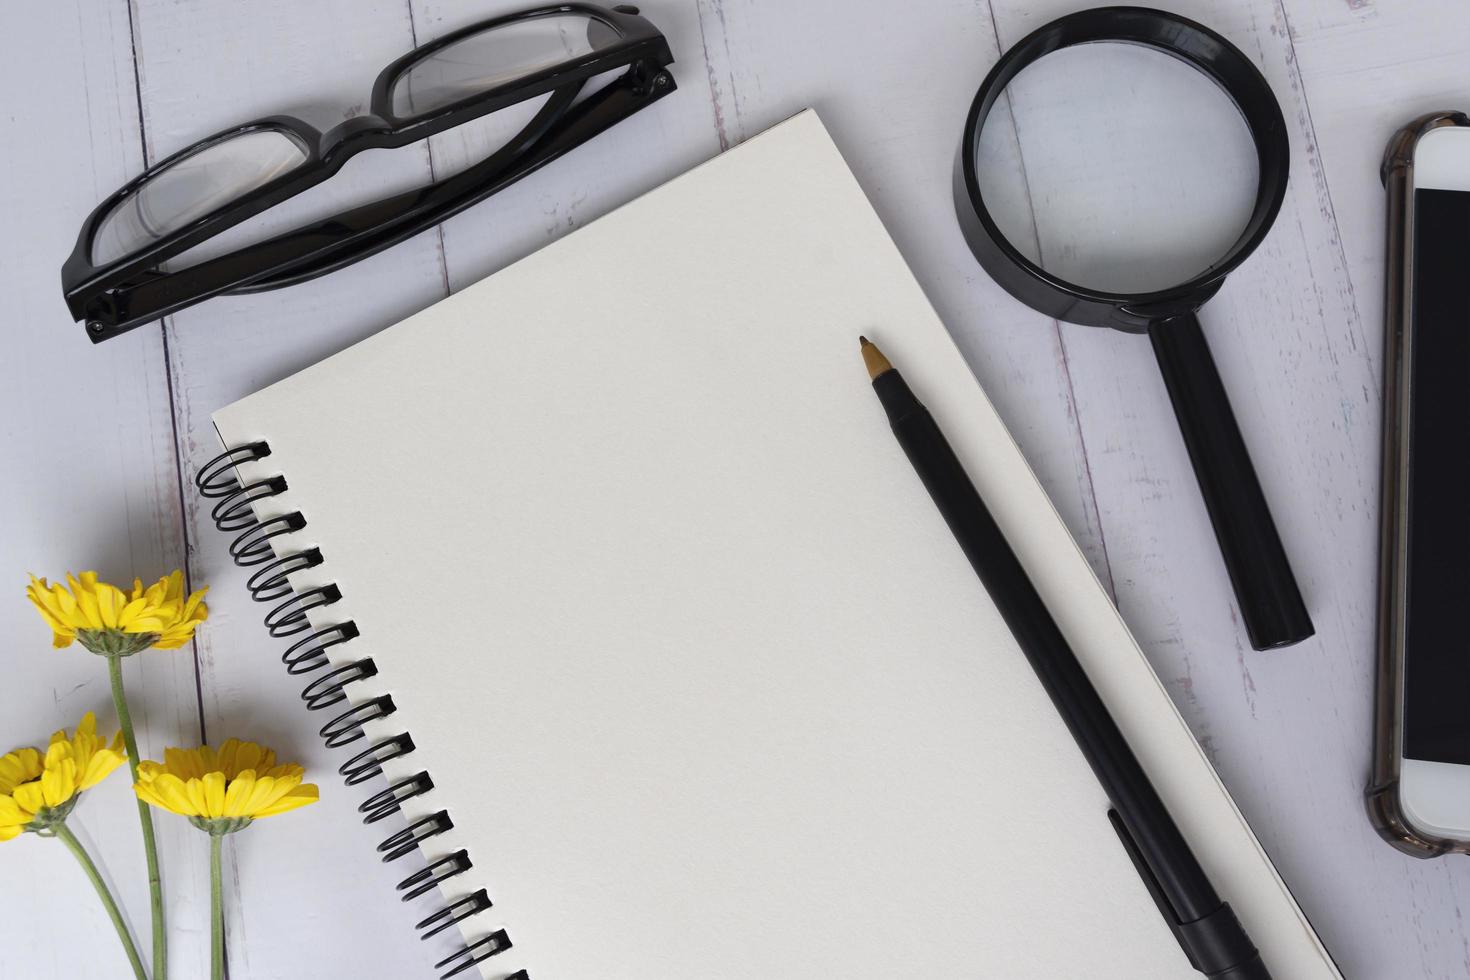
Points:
(1437, 642)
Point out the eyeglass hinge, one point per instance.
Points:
(645, 77)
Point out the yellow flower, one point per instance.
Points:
(108, 621)
(222, 791)
(38, 791)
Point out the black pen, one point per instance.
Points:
(1210, 934)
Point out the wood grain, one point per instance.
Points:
(301, 886)
(1366, 69)
(102, 439)
(91, 481)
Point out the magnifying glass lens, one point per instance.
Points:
(1117, 167)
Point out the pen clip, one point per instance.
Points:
(1215, 945)
(1151, 883)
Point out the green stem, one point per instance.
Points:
(65, 835)
(216, 912)
(145, 819)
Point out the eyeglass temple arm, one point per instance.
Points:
(320, 248)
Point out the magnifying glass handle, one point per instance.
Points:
(1270, 602)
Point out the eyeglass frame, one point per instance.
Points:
(131, 291)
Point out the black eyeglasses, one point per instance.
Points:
(114, 278)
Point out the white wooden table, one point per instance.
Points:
(100, 444)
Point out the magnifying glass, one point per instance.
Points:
(1116, 165)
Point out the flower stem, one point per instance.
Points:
(216, 912)
(145, 819)
(64, 834)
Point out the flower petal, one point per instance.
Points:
(301, 796)
(59, 782)
(20, 766)
(175, 584)
(247, 755)
(11, 813)
(157, 591)
(58, 750)
(197, 797)
(238, 794)
(45, 604)
(89, 612)
(67, 608)
(195, 610)
(131, 613)
(166, 793)
(99, 767)
(184, 763)
(110, 604)
(29, 796)
(214, 794)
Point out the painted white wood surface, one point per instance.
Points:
(100, 442)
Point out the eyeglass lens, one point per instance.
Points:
(495, 56)
(224, 172)
(194, 186)
(1139, 172)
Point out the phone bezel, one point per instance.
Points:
(1435, 795)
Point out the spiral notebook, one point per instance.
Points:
(741, 708)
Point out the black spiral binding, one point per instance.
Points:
(234, 511)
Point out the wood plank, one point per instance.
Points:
(91, 482)
(308, 897)
(1367, 68)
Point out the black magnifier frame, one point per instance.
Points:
(1270, 601)
(131, 290)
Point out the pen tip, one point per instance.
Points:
(863, 341)
(873, 359)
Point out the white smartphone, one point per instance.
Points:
(1423, 622)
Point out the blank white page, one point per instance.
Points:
(703, 679)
